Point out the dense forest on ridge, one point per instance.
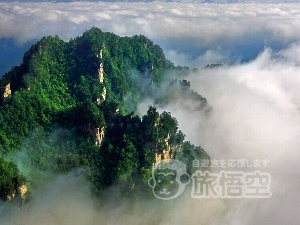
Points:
(70, 107)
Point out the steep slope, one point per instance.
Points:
(68, 106)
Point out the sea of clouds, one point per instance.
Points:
(191, 34)
(255, 100)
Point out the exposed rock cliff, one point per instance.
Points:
(102, 97)
(6, 91)
(166, 152)
(21, 191)
(100, 73)
(101, 79)
(99, 135)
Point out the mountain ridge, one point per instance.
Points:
(70, 105)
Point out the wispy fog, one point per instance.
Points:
(255, 115)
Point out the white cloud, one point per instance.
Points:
(211, 56)
(181, 27)
(255, 116)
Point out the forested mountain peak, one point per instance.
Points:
(71, 105)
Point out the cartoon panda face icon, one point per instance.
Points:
(168, 181)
